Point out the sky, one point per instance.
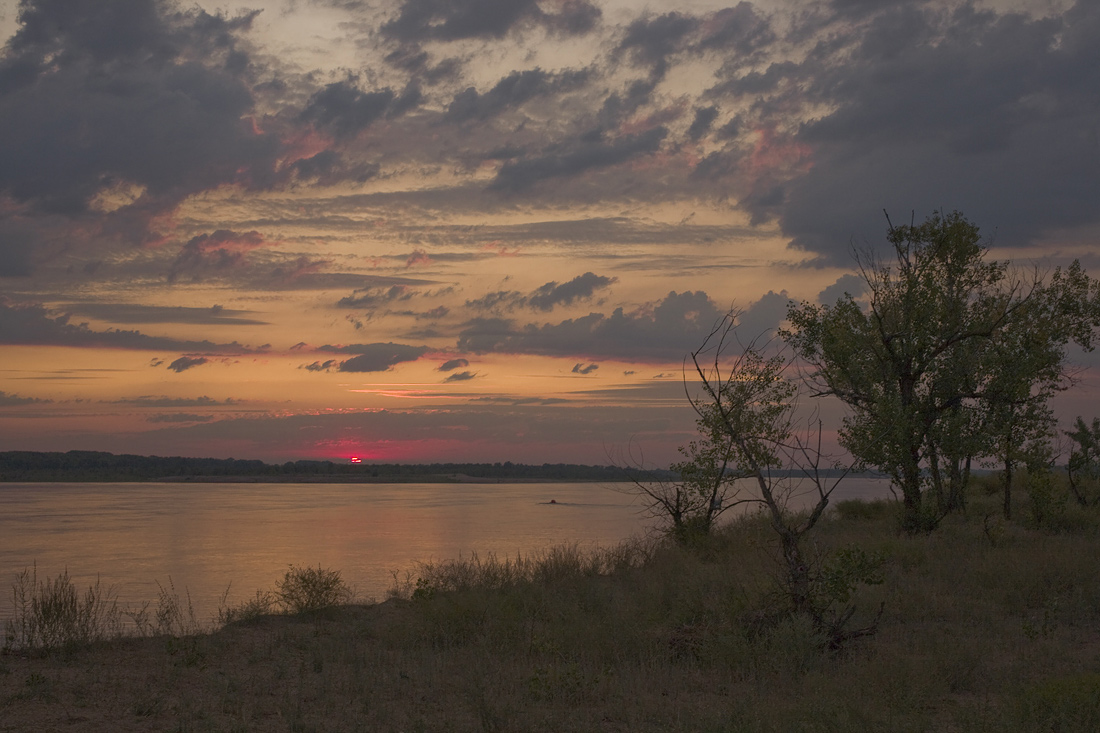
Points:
(487, 230)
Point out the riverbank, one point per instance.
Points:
(986, 625)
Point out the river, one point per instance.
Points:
(206, 538)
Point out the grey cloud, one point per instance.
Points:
(846, 284)
(521, 175)
(452, 364)
(376, 296)
(31, 324)
(452, 20)
(652, 40)
(7, 399)
(329, 167)
(517, 401)
(164, 401)
(545, 297)
(319, 366)
(740, 29)
(585, 369)
(581, 287)
(90, 92)
(184, 363)
(134, 313)
(700, 125)
(669, 331)
(511, 91)
(377, 357)
(760, 320)
(344, 109)
(990, 113)
(460, 377)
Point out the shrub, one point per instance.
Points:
(53, 613)
(311, 589)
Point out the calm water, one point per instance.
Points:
(207, 537)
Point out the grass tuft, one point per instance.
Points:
(53, 613)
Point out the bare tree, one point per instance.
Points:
(754, 450)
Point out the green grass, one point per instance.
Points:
(979, 631)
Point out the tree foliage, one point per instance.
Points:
(951, 356)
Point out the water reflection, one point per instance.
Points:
(208, 536)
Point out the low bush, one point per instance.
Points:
(311, 589)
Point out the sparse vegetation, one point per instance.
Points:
(649, 636)
(53, 613)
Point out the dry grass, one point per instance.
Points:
(978, 634)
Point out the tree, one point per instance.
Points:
(707, 487)
(748, 405)
(1083, 467)
(949, 354)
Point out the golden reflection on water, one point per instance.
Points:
(205, 538)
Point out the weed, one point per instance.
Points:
(262, 604)
(53, 613)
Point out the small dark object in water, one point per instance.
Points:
(553, 501)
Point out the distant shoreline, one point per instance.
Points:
(100, 467)
(381, 479)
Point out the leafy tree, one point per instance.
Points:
(952, 356)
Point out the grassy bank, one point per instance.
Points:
(986, 626)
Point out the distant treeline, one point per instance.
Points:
(98, 466)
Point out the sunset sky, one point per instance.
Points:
(487, 230)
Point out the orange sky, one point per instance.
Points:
(485, 230)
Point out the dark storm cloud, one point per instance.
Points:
(134, 313)
(452, 20)
(995, 114)
(545, 297)
(184, 363)
(32, 324)
(129, 93)
(377, 357)
(574, 159)
(668, 331)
